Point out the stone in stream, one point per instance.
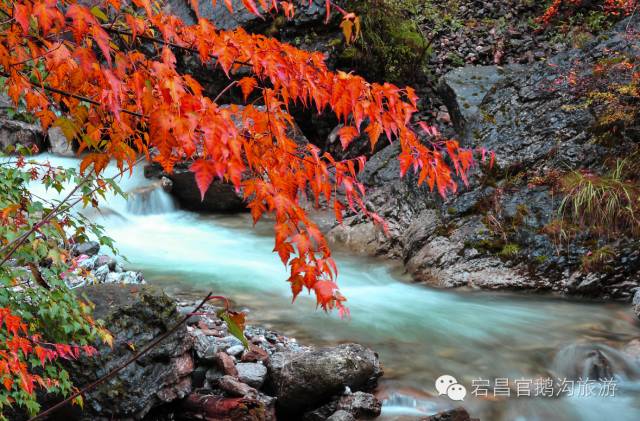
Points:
(593, 361)
(341, 415)
(361, 405)
(307, 379)
(457, 414)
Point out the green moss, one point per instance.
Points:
(391, 46)
(455, 59)
(510, 250)
(541, 259)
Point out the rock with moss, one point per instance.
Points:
(135, 315)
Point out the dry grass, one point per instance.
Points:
(606, 205)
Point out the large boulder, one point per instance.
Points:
(305, 380)
(17, 132)
(135, 315)
(220, 197)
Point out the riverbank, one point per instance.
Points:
(202, 372)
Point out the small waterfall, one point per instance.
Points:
(149, 200)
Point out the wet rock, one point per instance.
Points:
(360, 405)
(222, 408)
(593, 361)
(462, 91)
(303, 380)
(252, 374)
(226, 364)
(220, 197)
(14, 133)
(235, 350)
(236, 387)
(457, 414)
(88, 248)
(341, 415)
(636, 303)
(135, 315)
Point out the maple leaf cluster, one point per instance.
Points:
(16, 348)
(107, 76)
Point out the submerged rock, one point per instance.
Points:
(304, 380)
(457, 414)
(593, 361)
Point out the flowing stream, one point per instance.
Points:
(419, 332)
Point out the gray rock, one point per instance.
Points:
(303, 380)
(252, 374)
(134, 316)
(128, 277)
(205, 347)
(341, 415)
(235, 350)
(361, 405)
(14, 133)
(457, 414)
(101, 273)
(88, 248)
(463, 90)
(106, 260)
(636, 303)
(58, 143)
(496, 232)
